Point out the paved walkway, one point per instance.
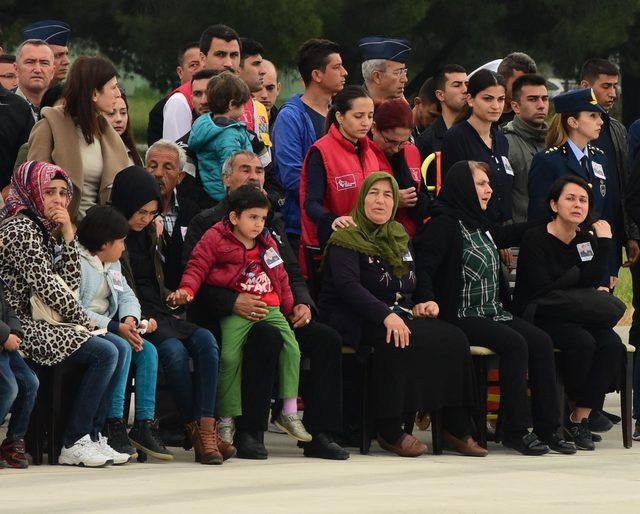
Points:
(604, 481)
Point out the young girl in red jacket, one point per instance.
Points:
(238, 253)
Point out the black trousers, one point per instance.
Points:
(634, 331)
(521, 347)
(322, 392)
(433, 373)
(591, 360)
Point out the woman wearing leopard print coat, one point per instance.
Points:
(39, 243)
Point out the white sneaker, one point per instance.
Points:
(83, 453)
(106, 450)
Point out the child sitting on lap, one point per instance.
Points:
(238, 253)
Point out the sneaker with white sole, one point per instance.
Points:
(292, 425)
(110, 453)
(83, 453)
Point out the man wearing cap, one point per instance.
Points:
(34, 66)
(56, 34)
(384, 66)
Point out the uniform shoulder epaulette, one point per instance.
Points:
(594, 148)
(552, 149)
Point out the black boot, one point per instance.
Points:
(250, 446)
(324, 447)
(115, 430)
(146, 437)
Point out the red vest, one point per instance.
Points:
(412, 158)
(345, 170)
(185, 89)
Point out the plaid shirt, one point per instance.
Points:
(171, 217)
(480, 268)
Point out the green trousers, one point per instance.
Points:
(234, 335)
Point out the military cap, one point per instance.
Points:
(54, 32)
(381, 47)
(576, 101)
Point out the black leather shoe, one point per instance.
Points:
(324, 447)
(580, 434)
(249, 446)
(559, 445)
(611, 417)
(527, 445)
(598, 422)
(596, 438)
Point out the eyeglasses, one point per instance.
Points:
(146, 214)
(402, 72)
(393, 143)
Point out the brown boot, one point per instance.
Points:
(196, 440)
(226, 449)
(209, 440)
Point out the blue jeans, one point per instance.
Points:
(18, 390)
(146, 363)
(195, 398)
(104, 361)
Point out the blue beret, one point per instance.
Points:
(381, 47)
(53, 32)
(576, 101)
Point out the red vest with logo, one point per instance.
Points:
(346, 170)
(185, 89)
(412, 158)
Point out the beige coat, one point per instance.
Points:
(54, 139)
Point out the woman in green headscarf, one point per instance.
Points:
(419, 362)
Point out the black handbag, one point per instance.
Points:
(583, 306)
(580, 305)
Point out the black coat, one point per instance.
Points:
(16, 122)
(438, 249)
(171, 246)
(215, 302)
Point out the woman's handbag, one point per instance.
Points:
(583, 306)
(40, 311)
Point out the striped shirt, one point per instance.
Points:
(480, 279)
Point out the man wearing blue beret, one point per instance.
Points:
(56, 34)
(384, 67)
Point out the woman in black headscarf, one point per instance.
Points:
(457, 266)
(136, 194)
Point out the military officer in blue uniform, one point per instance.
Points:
(578, 120)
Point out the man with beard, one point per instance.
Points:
(219, 50)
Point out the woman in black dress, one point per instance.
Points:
(419, 363)
(458, 267)
(559, 256)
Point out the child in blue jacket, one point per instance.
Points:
(111, 304)
(216, 136)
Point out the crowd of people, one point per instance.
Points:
(197, 260)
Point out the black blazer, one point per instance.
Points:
(438, 248)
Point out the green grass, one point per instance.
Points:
(140, 103)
